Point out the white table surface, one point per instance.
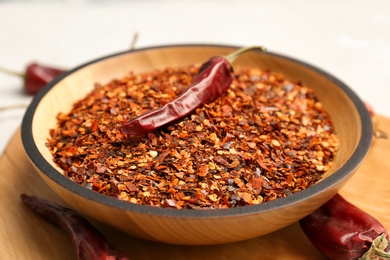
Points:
(348, 38)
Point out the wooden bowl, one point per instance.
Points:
(195, 227)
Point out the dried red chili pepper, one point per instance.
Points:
(370, 109)
(340, 230)
(36, 76)
(377, 132)
(87, 240)
(214, 78)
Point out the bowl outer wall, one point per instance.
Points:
(331, 183)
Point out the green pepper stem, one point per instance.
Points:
(11, 72)
(377, 249)
(232, 56)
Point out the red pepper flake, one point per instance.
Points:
(262, 164)
(257, 182)
(227, 110)
(265, 138)
(170, 203)
(131, 187)
(94, 125)
(203, 170)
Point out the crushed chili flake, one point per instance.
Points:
(266, 138)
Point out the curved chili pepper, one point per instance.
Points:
(87, 240)
(340, 230)
(214, 78)
(36, 76)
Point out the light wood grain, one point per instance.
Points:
(26, 236)
(194, 230)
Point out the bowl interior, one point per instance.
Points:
(350, 118)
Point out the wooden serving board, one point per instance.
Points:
(24, 235)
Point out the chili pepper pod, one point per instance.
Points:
(377, 132)
(370, 109)
(89, 243)
(36, 76)
(213, 79)
(340, 230)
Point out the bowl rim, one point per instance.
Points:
(351, 165)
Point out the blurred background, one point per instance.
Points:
(347, 38)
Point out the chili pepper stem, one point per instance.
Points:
(377, 249)
(11, 72)
(232, 56)
(12, 107)
(134, 41)
(379, 134)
